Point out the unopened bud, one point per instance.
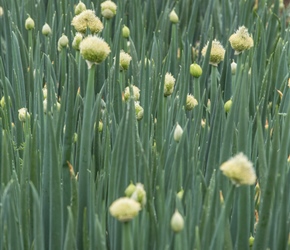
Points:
(23, 114)
(228, 105)
(173, 17)
(177, 222)
(233, 68)
(251, 241)
(80, 8)
(180, 194)
(139, 111)
(125, 31)
(130, 190)
(108, 9)
(178, 133)
(29, 23)
(195, 70)
(62, 42)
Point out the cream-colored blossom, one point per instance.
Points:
(239, 170)
(136, 93)
(108, 9)
(169, 82)
(191, 102)
(77, 41)
(139, 111)
(94, 49)
(87, 19)
(124, 209)
(241, 40)
(125, 59)
(23, 114)
(217, 52)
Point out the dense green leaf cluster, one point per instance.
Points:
(81, 145)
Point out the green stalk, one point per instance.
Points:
(127, 239)
(30, 83)
(196, 92)
(85, 159)
(63, 71)
(178, 241)
(266, 202)
(213, 86)
(217, 241)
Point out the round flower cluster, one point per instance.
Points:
(217, 52)
(108, 9)
(87, 19)
(94, 49)
(241, 40)
(239, 170)
(169, 83)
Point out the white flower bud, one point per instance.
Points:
(46, 30)
(178, 133)
(177, 222)
(173, 17)
(23, 114)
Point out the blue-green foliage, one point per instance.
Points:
(59, 173)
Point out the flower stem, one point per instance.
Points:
(127, 242)
(213, 88)
(85, 157)
(196, 89)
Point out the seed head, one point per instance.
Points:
(136, 93)
(139, 111)
(169, 83)
(191, 102)
(125, 209)
(87, 19)
(108, 9)
(217, 52)
(239, 170)
(94, 49)
(241, 40)
(125, 59)
(23, 114)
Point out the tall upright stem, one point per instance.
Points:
(85, 157)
